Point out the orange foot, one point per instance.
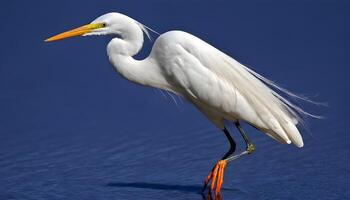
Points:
(216, 176)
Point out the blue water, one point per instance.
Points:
(70, 128)
(157, 165)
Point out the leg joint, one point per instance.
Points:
(250, 148)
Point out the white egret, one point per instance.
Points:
(219, 86)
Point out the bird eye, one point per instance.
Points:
(104, 24)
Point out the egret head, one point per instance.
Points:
(110, 23)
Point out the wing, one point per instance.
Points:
(216, 80)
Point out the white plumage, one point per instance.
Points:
(219, 86)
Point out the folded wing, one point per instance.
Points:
(220, 82)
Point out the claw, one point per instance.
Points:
(220, 179)
(209, 197)
(206, 181)
(218, 197)
(215, 178)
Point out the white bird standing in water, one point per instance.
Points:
(219, 86)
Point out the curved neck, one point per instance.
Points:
(130, 42)
(144, 72)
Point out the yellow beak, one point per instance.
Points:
(76, 32)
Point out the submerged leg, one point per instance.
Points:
(217, 173)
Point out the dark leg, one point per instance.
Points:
(232, 144)
(217, 173)
(250, 147)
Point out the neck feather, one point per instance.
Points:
(145, 72)
(130, 41)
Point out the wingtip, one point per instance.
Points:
(300, 145)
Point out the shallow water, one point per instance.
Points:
(70, 128)
(90, 165)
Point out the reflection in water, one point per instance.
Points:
(181, 188)
(159, 186)
(211, 196)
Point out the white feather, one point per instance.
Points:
(206, 75)
(219, 86)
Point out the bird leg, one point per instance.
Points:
(250, 147)
(216, 175)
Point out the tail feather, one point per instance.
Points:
(276, 127)
(293, 134)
